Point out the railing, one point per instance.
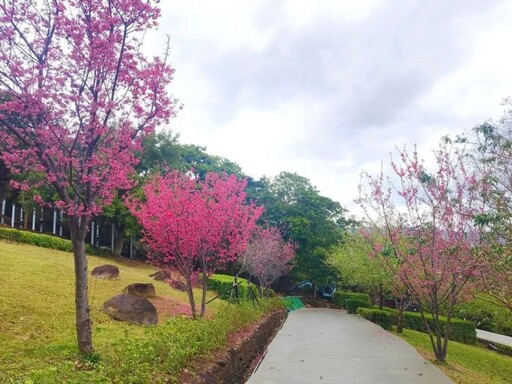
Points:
(293, 303)
(52, 221)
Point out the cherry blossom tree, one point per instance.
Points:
(76, 94)
(426, 223)
(268, 257)
(195, 225)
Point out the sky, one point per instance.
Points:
(326, 88)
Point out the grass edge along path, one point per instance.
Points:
(37, 328)
(466, 364)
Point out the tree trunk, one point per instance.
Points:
(119, 239)
(400, 319)
(204, 285)
(190, 294)
(78, 229)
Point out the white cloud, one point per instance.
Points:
(328, 88)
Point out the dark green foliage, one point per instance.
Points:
(312, 221)
(486, 315)
(461, 330)
(340, 297)
(352, 305)
(222, 284)
(378, 316)
(41, 240)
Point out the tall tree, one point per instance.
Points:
(195, 225)
(357, 268)
(426, 221)
(491, 154)
(77, 93)
(312, 221)
(267, 257)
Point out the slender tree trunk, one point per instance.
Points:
(190, 293)
(78, 229)
(400, 319)
(119, 239)
(204, 285)
(381, 297)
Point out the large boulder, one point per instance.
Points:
(106, 271)
(131, 309)
(162, 275)
(141, 290)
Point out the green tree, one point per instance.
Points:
(314, 222)
(356, 268)
(490, 147)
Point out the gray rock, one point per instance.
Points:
(131, 309)
(141, 290)
(162, 275)
(106, 271)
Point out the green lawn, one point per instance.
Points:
(37, 334)
(466, 364)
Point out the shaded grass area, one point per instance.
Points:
(37, 333)
(466, 364)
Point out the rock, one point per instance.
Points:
(162, 275)
(106, 271)
(131, 309)
(141, 290)
(178, 284)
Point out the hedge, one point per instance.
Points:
(222, 284)
(41, 240)
(352, 305)
(461, 330)
(340, 297)
(383, 318)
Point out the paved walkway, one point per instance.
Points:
(330, 347)
(494, 337)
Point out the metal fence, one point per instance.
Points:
(52, 221)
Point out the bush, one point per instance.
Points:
(352, 305)
(340, 297)
(41, 240)
(486, 315)
(222, 284)
(380, 317)
(461, 330)
(503, 349)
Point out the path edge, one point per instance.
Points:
(236, 364)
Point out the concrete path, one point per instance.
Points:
(331, 347)
(493, 337)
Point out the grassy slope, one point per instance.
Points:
(467, 364)
(37, 308)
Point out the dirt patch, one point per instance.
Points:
(245, 350)
(167, 308)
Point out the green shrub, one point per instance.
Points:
(503, 349)
(352, 305)
(222, 284)
(340, 297)
(486, 314)
(380, 317)
(41, 240)
(461, 330)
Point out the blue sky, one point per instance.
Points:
(329, 88)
